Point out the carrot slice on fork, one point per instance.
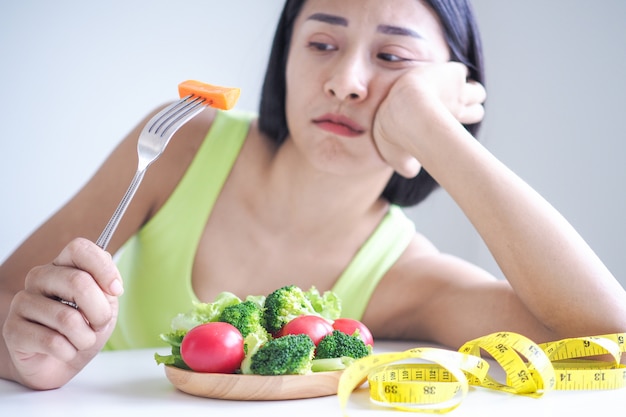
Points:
(223, 98)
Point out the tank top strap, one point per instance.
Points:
(382, 249)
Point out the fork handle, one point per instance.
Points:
(107, 233)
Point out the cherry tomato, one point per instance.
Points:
(349, 326)
(214, 347)
(314, 326)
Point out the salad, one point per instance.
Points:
(287, 332)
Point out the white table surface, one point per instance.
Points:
(116, 383)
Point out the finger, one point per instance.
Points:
(25, 333)
(63, 321)
(87, 256)
(475, 92)
(36, 339)
(52, 282)
(398, 159)
(403, 163)
(472, 110)
(472, 114)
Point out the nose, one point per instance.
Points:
(347, 82)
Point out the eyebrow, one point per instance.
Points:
(397, 30)
(329, 18)
(384, 29)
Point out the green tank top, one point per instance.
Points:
(156, 263)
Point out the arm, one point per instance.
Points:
(441, 298)
(552, 273)
(44, 342)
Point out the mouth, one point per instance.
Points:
(340, 125)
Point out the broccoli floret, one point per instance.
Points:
(338, 344)
(285, 304)
(247, 317)
(251, 344)
(286, 355)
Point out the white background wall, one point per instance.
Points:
(76, 76)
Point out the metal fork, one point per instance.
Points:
(153, 139)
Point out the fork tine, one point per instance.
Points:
(172, 114)
(174, 121)
(172, 108)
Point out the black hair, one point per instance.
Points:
(461, 34)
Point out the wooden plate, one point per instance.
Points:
(254, 387)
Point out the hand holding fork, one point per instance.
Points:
(157, 133)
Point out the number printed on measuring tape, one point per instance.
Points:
(439, 381)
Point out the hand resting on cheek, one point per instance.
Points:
(427, 97)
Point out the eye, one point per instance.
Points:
(321, 46)
(391, 57)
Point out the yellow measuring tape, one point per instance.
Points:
(434, 380)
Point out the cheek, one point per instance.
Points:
(295, 110)
(298, 83)
(303, 91)
(297, 71)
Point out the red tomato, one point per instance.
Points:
(214, 347)
(314, 326)
(349, 326)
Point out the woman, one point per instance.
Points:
(363, 102)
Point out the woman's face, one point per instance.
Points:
(344, 57)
